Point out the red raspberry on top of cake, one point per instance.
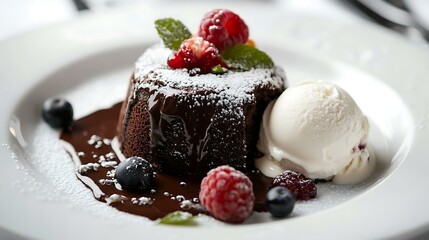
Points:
(223, 28)
(195, 53)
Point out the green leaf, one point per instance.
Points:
(179, 218)
(218, 69)
(245, 57)
(172, 32)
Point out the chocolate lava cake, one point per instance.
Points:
(189, 124)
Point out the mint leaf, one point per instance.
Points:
(179, 218)
(172, 32)
(218, 69)
(245, 57)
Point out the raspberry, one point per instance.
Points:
(195, 53)
(223, 28)
(301, 187)
(227, 194)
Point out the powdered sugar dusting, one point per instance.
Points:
(151, 69)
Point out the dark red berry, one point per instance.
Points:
(223, 28)
(195, 53)
(183, 58)
(301, 187)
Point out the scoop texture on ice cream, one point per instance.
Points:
(315, 128)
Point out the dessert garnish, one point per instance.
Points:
(223, 28)
(196, 53)
(300, 186)
(279, 202)
(135, 172)
(246, 57)
(179, 218)
(227, 194)
(172, 32)
(222, 44)
(58, 113)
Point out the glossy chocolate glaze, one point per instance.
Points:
(91, 138)
(187, 124)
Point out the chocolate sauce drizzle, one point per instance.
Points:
(91, 145)
(165, 112)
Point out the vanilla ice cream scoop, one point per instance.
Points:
(315, 128)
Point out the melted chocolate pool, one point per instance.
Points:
(91, 139)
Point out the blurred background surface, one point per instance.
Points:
(406, 17)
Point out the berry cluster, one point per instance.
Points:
(219, 30)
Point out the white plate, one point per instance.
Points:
(89, 60)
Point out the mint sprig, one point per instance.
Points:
(245, 57)
(179, 218)
(172, 32)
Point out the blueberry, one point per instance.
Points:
(279, 202)
(135, 172)
(57, 112)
